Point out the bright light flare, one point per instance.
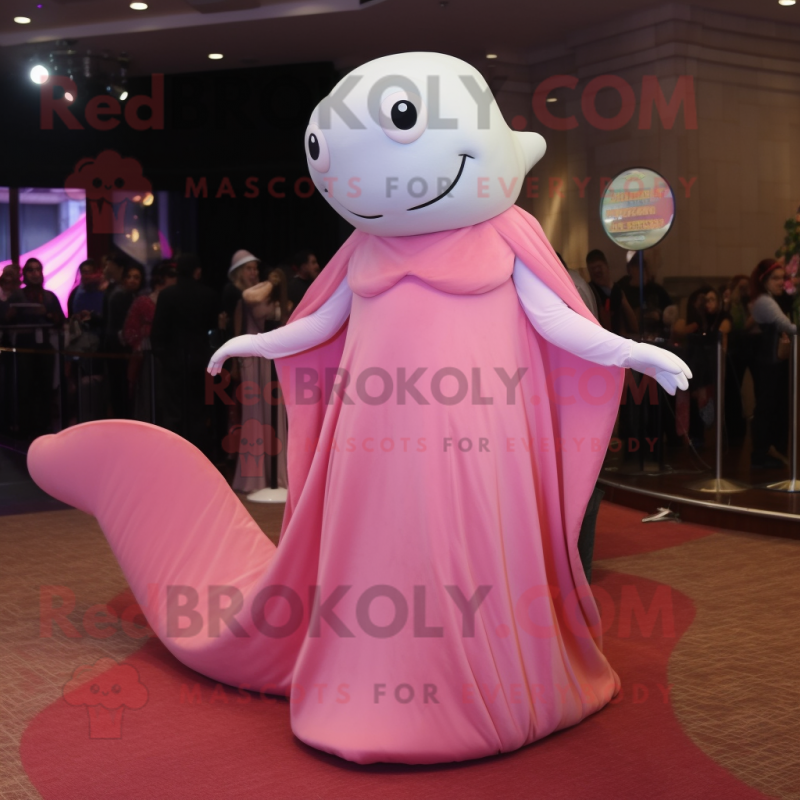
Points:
(39, 74)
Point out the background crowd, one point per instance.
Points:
(135, 346)
(751, 316)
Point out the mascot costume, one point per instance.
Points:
(450, 401)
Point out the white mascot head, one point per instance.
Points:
(415, 143)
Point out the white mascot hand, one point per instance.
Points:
(240, 346)
(666, 368)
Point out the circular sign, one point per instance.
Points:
(637, 209)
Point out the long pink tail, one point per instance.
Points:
(194, 558)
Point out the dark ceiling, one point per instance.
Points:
(172, 36)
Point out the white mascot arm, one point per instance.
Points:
(559, 324)
(293, 338)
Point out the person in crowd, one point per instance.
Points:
(738, 302)
(705, 318)
(110, 343)
(112, 278)
(601, 285)
(15, 271)
(87, 299)
(9, 281)
(587, 295)
(263, 307)
(122, 300)
(85, 306)
(789, 300)
(33, 293)
(741, 341)
(306, 268)
(242, 274)
(185, 314)
(113, 267)
(119, 303)
(770, 371)
(625, 303)
(139, 319)
(639, 420)
(586, 536)
(717, 318)
(724, 294)
(136, 336)
(33, 305)
(705, 314)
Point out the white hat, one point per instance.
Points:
(241, 257)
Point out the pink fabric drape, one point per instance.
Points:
(389, 531)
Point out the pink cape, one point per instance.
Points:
(407, 498)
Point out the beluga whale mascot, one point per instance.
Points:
(450, 399)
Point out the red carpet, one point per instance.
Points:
(197, 739)
(620, 532)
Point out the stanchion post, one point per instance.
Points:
(15, 372)
(792, 484)
(273, 419)
(795, 367)
(76, 362)
(718, 485)
(720, 406)
(62, 378)
(641, 295)
(273, 493)
(152, 360)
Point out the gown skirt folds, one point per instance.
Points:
(456, 492)
(426, 602)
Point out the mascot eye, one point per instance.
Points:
(116, 688)
(119, 183)
(97, 183)
(317, 152)
(95, 688)
(403, 117)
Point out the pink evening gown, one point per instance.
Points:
(426, 602)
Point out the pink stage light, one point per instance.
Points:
(166, 248)
(60, 258)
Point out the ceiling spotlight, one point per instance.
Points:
(22, 20)
(786, 2)
(491, 55)
(139, 6)
(215, 56)
(117, 91)
(68, 97)
(552, 99)
(148, 199)
(39, 74)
